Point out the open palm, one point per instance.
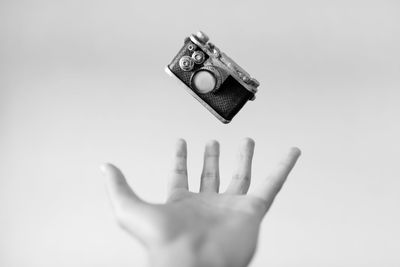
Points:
(200, 229)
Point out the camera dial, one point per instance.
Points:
(198, 57)
(186, 63)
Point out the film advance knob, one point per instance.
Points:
(186, 63)
(204, 81)
(202, 37)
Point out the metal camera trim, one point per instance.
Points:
(192, 93)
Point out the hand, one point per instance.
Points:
(200, 229)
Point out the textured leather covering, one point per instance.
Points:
(227, 100)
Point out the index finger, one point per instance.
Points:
(178, 178)
(275, 180)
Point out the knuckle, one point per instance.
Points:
(180, 171)
(242, 177)
(246, 178)
(180, 168)
(210, 175)
(246, 156)
(260, 206)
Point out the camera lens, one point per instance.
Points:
(204, 81)
(186, 63)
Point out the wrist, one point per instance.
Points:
(185, 253)
(168, 258)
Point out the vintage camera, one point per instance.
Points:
(210, 76)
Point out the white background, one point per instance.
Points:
(82, 82)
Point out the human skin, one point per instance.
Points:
(204, 229)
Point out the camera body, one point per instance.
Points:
(210, 76)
